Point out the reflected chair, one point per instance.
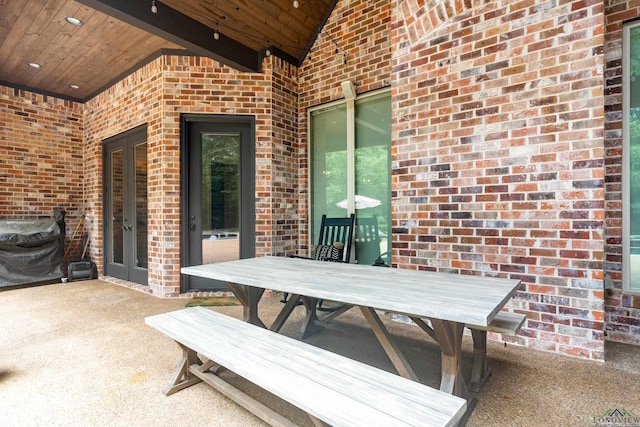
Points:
(334, 242)
(367, 239)
(369, 246)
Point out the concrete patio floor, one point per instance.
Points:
(80, 354)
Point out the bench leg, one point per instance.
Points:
(249, 403)
(480, 371)
(191, 370)
(182, 378)
(209, 365)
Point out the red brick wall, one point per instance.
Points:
(282, 183)
(499, 155)
(156, 95)
(41, 156)
(498, 148)
(135, 101)
(622, 311)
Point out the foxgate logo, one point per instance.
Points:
(616, 417)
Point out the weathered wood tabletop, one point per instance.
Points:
(452, 297)
(449, 301)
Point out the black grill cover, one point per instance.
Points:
(30, 251)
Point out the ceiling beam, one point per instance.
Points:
(176, 27)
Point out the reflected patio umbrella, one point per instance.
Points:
(362, 202)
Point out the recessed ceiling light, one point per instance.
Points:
(35, 65)
(73, 21)
(74, 86)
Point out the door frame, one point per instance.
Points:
(126, 141)
(247, 186)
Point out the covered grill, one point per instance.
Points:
(31, 250)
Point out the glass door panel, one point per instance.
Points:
(218, 187)
(328, 129)
(332, 157)
(373, 178)
(117, 207)
(220, 197)
(141, 212)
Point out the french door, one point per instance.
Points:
(218, 221)
(125, 209)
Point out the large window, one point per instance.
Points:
(631, 159)
(351, 170)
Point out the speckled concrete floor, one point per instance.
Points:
(79, 354)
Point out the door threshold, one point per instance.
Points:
(127, 284)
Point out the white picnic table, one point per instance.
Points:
(449, 301)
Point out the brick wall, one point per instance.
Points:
(157, 95)
(41, 156)
(498, 167)
(283, 218)
(498, 148)
(134, 101)
(622, 311)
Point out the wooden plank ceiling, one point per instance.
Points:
(118, 36)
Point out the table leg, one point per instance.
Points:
(249, 297)
(423, 325)
(480, 371)
(388, 344)
(333, 314)
(308, 325)
(449, 336)
(286, 311)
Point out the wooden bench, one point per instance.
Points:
(505, 322)
(330, 388)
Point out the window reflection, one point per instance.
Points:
(220, 197)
